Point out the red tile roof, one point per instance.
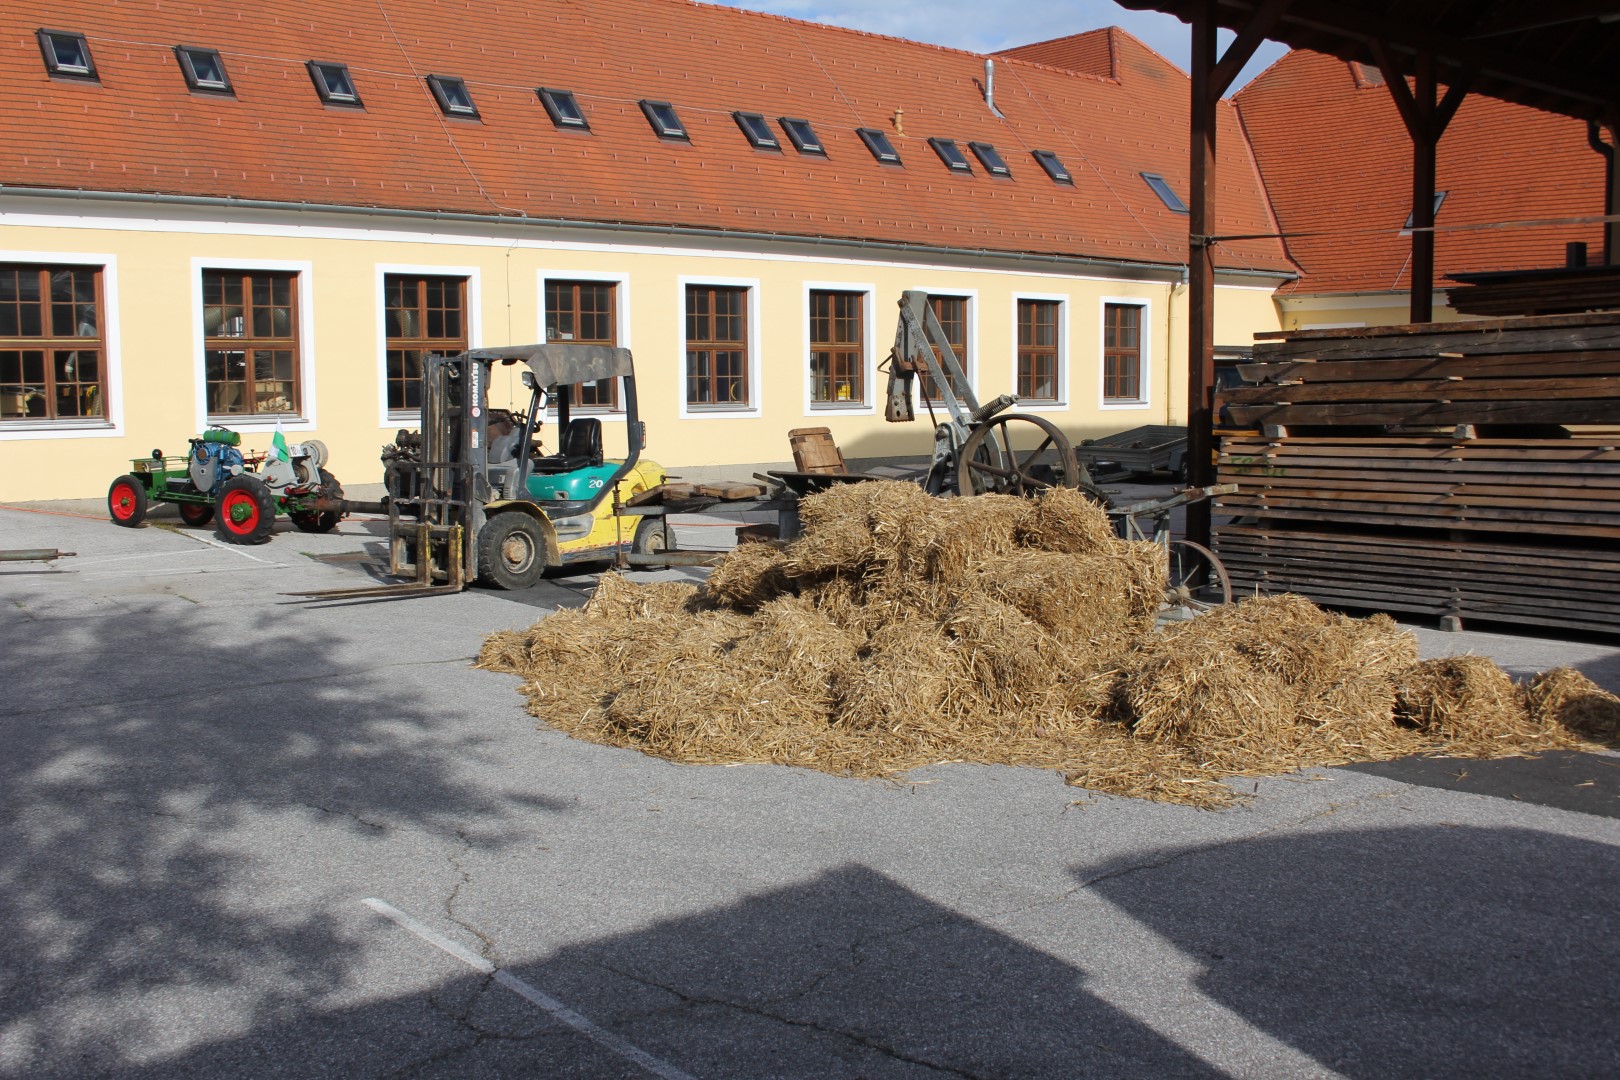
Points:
(1338, 166)
(140, 129)
(1094, 52)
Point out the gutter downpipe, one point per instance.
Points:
(524, 221)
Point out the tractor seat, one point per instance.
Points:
(581, 448)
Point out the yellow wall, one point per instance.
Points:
(153, 265)
(1381, 309)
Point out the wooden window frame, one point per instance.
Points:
(1122, 365)
(601, 396)
(1035, 360)
(398, 405)
(248, 342)
(960, 324)
(740, 394)
(845, 364)
(50, 344)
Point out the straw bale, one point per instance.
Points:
(749, 576)
(1064, 519)
(1474, 707)
(908, 677)
(850, 528)
(946, 544)
(1565, 696)
(1267, 681)
(1092, 602)
(619, 598)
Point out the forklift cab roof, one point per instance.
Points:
(563, 364)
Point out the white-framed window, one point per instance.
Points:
(254, 343)
(1125, 353)
(1040, 375)
(839, 328)
(60, 367)
(590, 308)
(720, 324)
(420, 309)
(958, 312)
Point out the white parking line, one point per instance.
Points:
(232, 548)
(557, 1009)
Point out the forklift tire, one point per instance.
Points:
(126, 501)
(196, 515)
(511, 551)
(650, 537)
(247, 510)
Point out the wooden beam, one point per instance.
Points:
(1201, 270)
(1259, 26)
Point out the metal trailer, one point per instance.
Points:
(1146, 449)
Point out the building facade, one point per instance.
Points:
(264, 220)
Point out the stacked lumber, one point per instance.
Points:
(1531, 292)
(1371, 489)
(1548, 370)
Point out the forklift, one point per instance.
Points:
(475, 496)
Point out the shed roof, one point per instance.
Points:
(139, 129)
(1338, 167)
(1557, 55)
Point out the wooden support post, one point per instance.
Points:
(1211, 76)
(1425, 121)
(1424, 141)
(1201, 273)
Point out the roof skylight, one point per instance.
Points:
(757, 129)
(203, 69)
(332, 82)
(563, 109)
(879, 144)
(665, 120)
(951, 155)
(1161, 188)
(802, 135)
(1439, 200)
(1054, 168)
(990, 159)
(452, 95)
(67, 54)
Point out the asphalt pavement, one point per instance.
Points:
(250, 836)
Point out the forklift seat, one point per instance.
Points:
(581, 447)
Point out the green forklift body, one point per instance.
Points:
(581, 485)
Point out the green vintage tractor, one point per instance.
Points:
(241, 493)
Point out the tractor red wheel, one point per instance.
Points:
(196, 514)
(247, 510)
(126, 501)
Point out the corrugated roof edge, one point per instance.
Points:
(524, 220)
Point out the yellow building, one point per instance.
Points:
(264, 222)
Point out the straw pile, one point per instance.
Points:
(903, 630)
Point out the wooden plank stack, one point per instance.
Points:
(1431, 469)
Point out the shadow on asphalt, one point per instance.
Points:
(1586, 783)
(1421, 952)
(130, 759)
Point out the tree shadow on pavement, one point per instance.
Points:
(153, 754)
(1419, 952)
(847, 975)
